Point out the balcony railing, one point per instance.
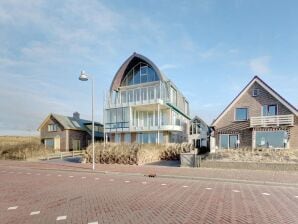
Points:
(272, 121)
(147, 128)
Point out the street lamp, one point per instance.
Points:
(85, 77)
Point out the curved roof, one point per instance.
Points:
(128, 64)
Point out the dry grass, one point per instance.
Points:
(21, 148)
(135, 153)
(256, 155)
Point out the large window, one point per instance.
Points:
(269, 110)
(140, 73)
(241, 114)
(271, 139)
(127, 137)
(228, 141)
(117, 118)
(147, 137)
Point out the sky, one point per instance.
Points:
(209, 49)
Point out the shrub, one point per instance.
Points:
(135, 153)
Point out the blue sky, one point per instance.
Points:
(209, 49)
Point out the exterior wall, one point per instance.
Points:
(228, 125)
(78, 135)
(45, 134)
(294, 135)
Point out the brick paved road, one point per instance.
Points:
(33, 195)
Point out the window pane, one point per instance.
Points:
(130, 96)
(137, 95)
(145, 138)
(130, 78)
(144, 94)
(224, 141)
(152, 137)
(273, 139)
(137, 78)
(123, 97)
(241, 114)
(272, 110)
(233, 141)
(127, 138)
(151, 93)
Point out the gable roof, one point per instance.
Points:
(258, 80)
(70, 123)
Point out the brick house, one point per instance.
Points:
(257, 118)
(68, 133)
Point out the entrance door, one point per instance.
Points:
(57, 143)
(76, 145)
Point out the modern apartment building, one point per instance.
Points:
(143, 106)
(257, 118)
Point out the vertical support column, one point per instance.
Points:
(158, 122)
(253, 146)
(67, 140)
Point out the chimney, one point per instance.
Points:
(76, 115)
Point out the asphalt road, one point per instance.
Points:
(38, 195)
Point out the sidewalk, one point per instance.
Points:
(232, 175)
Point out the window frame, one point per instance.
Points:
(257, 92)
(247, 113)
(229, 135)
(52, 127)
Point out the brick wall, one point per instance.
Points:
(45, 134)
(254, 104)
(294, 135)
(78, 135)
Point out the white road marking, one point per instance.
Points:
(28, 173)
(265, 194)
(96, 178)
(144, 182)
(12, 208)
(296, 196)
(208, 188)
(163, 184)
(111, 179)
(127, 181)
(93, 222)
(236, 191)
(59, 175)
(83, 177)
(71, 176)
(185, 186)
(35, 213)
(61, 217)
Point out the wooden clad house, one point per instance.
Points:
(68, 133)
(257, 118)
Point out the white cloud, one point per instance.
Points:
(260, 65)
(167, 66)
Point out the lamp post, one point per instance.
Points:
(85, 77)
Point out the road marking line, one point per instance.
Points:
(265, 194)
(93, 222)
(61, 217)
(185, 186)
(144, 182)
(59, 175)
(296, 196)
(12, 208)
(208, 188)
(96, 178)
(111, 179)
(127, 181)
(163, 184)
(35, 213)
(236, 191)
(28, 173)
(83, 177)
(71, 176)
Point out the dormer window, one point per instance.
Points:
(255, 92)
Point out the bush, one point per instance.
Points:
(135, 153)
(21, 148)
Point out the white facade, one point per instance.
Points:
(143, 106)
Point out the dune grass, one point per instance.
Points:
(135, 153)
